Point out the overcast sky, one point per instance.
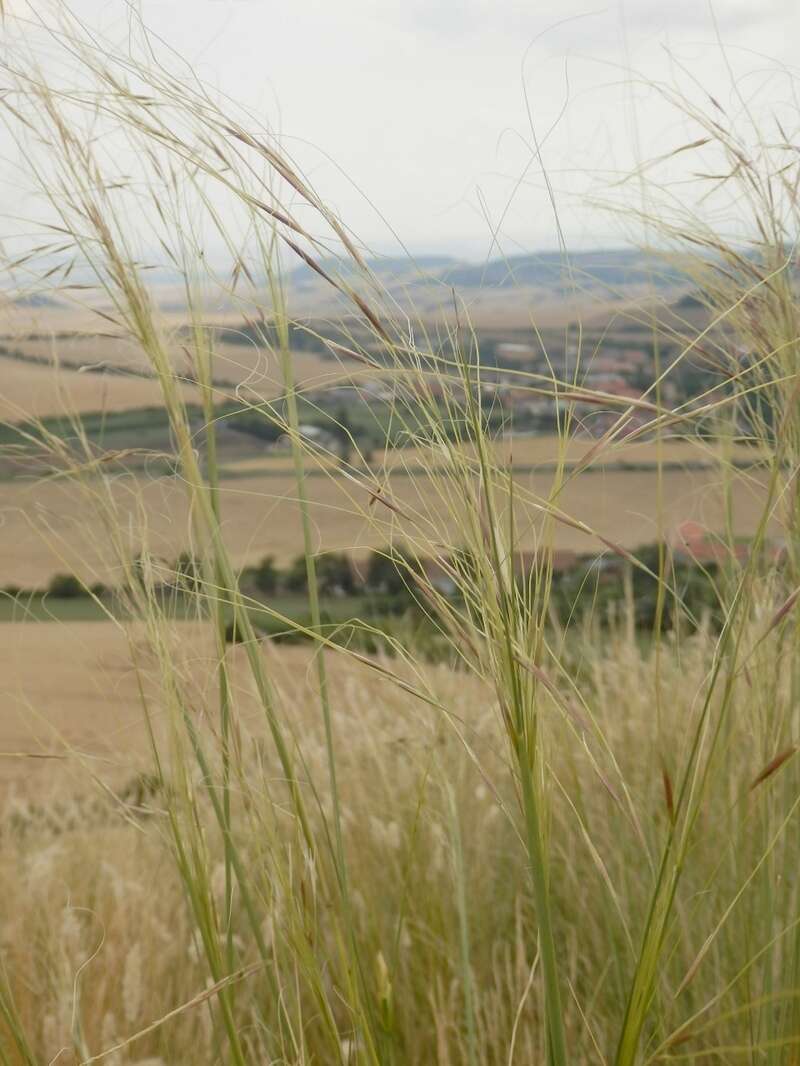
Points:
(422, 103)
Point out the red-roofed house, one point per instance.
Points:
(693, 542)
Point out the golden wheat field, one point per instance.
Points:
(545, 450)
(36, 390)
(527, 453)
(234, 363)
(49, 527)
(66, 375)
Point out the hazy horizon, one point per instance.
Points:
(473, 109)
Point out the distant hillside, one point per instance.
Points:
(612, 268)
(608, 268)
(390, 268)
(35, 299)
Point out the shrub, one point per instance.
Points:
(65, 587)
(335, 574)
(188, 572)
(266, 576)
(386, 572)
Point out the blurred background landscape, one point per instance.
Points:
(399, 533)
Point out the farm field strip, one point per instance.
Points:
(48, 528)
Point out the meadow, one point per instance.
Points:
(565, 840)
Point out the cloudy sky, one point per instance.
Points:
(421, 117)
